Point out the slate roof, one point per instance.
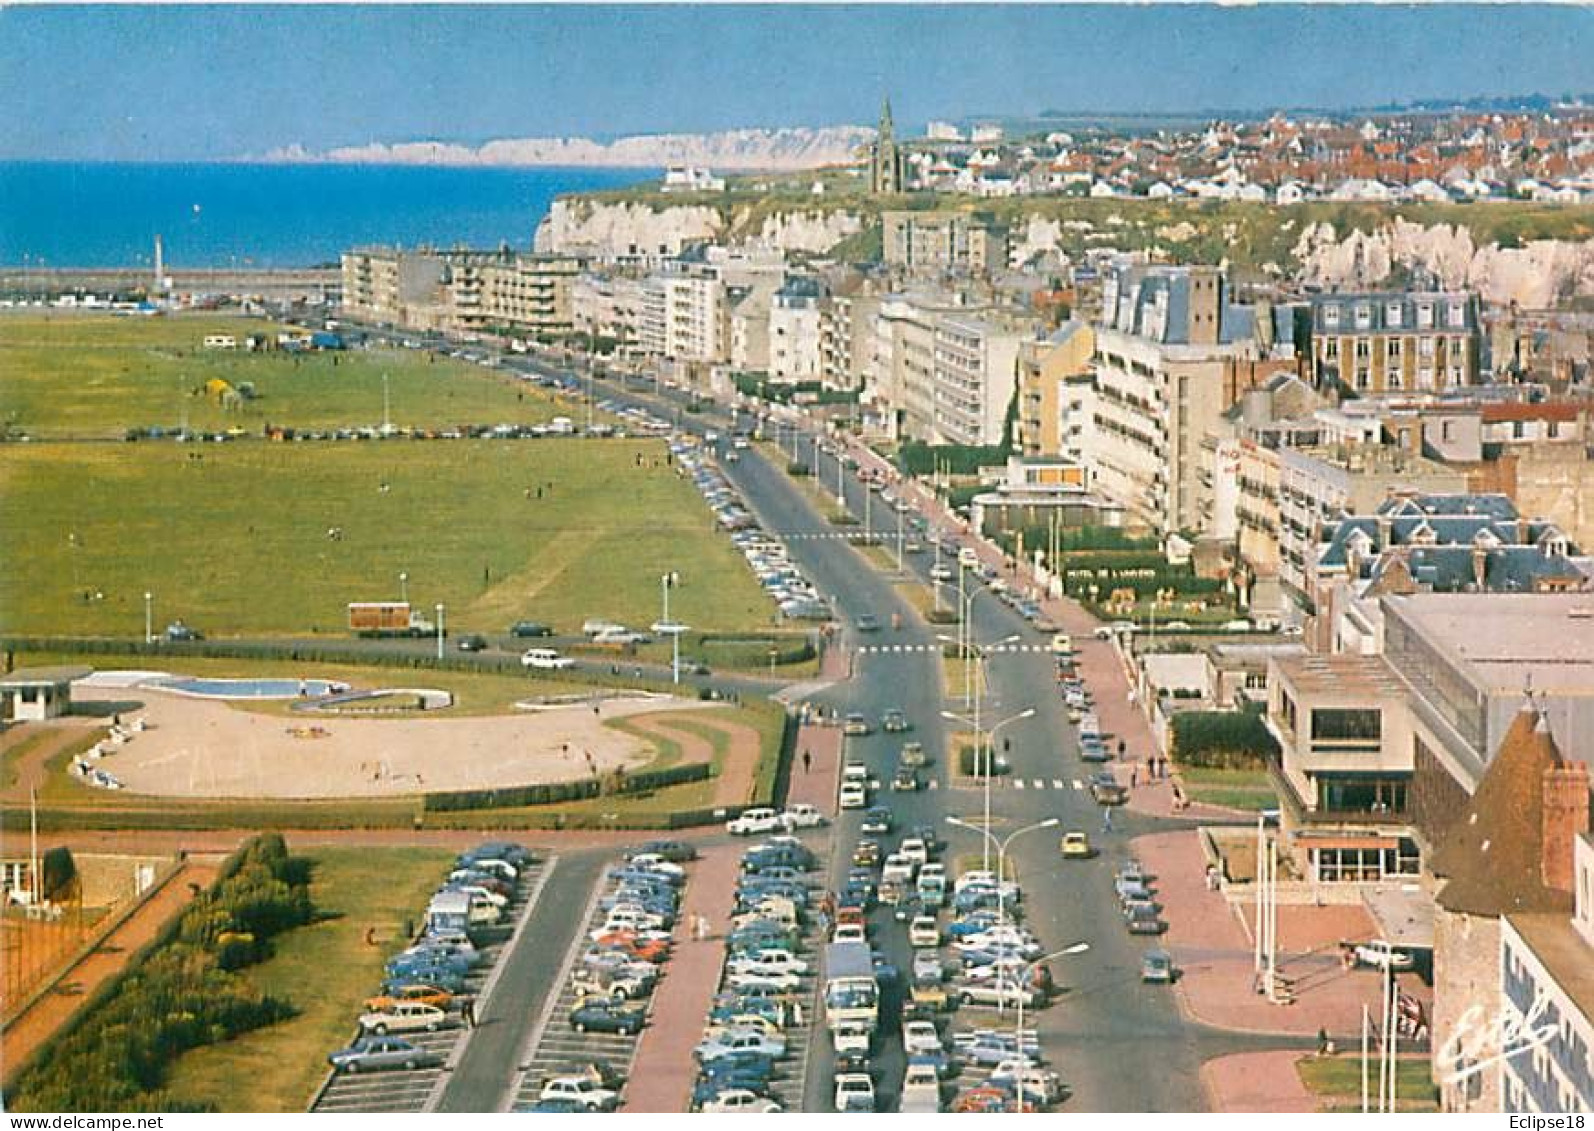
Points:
(1491, 855)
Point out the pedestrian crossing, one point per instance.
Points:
(1059, 785)
(898, 649)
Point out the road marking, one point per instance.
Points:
(1078, 784)
(1018, 783)
(1039, 784)
(933, 784)
(1057, 783)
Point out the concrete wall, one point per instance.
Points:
(1466, 971)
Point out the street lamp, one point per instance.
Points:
(668, 627)
(149, 618)
(404, 586)
(1018, 1033)
(439, 630)
(982, 757)
(1001, 850)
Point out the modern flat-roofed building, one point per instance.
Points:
(1344, 769)
(934, 243)
(1048, 369)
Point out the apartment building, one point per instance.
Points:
(608, 306)
(1048, 370)
(935, 243)
(794, 330)
(1319, 484)
(685, 313)
(462, 290)
(1547, 986)
(1160, 370)
(846, 336)
(1396, 341)
(385, 285)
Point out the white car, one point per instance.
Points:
(652, 862)
(753, 822)
(1381, 954)
(849, 932)
(920, 1038)
(924, 931)
(404, 1017)
(740, 1101)
(802, 816)
(852, 1037)
(1040, 1084)
(770, 962)
(582, 1090)
(545, 659)
(854, 796)
(897, 867)
(854, 1092)
(914, 849)
(1002, 993)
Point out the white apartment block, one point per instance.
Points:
(974, 377)
(1547, 988)
(684, 314)
(1166, 335)
(794, 331)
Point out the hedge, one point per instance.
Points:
(182, 992)
(553, 793)
(1222, 739)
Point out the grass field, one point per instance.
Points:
(1233, 789)
(1337, 1082)
(98, 375)
(326, 970)
(236, 542)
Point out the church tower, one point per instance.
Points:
(885, 159)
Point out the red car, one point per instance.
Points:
(648, 950)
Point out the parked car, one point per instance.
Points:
(426, 995)
(854, 1092)
(1382, 954)
(373, 1054)
(1146, 923)
(601, 1015)
(404, 1017)
(739, 1041)
(802, 816)
(529, 628)
(580, 1090)
(740, 1101)
(855, 725)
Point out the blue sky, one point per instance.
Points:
(208, 82)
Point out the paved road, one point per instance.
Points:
(485, 1072)
(1120, 1045)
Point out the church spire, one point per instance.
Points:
(885, 118)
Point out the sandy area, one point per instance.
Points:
(204, 748)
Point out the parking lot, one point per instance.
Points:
(417, 1089)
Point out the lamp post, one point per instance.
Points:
(1018, 1032)
(936, 534)
(439, 630)
(813, 472)
(149, 618)
(841, 491)
(404, 586)
(982, 758)
(665, 625)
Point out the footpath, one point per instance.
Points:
(78, 983)
(664, 1070)
(1257, 1082)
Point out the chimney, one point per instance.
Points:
(1565, 816)
(1204, 303)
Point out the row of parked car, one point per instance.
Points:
(613, 980)
(429, 984)
(757, 1020)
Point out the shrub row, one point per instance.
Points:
(184, 992)
(554, 793)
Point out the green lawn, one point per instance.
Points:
(1337, 1081)
(236, 542)
(1233, 789)
(326, 970)
(98, 375)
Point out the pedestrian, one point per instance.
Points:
(1134, 776)
(808, 761)
(370, 936)
(467, 1011)
(1106, 820)
(1322, 1042)
(1122, 746)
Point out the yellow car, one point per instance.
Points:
(1077, 846)
(932, 997)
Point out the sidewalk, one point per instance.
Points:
(664, 1070)
(1257, 1082)
(25, 1033)
(1210, 942)
(816, 785)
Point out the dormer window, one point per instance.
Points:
(1364, 316)
(1456, 316)
(1392, 315)
(1331, 315)
(1425, 314)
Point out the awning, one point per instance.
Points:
(1403, 914)
(1367, 842)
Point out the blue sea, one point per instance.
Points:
(107, 215)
